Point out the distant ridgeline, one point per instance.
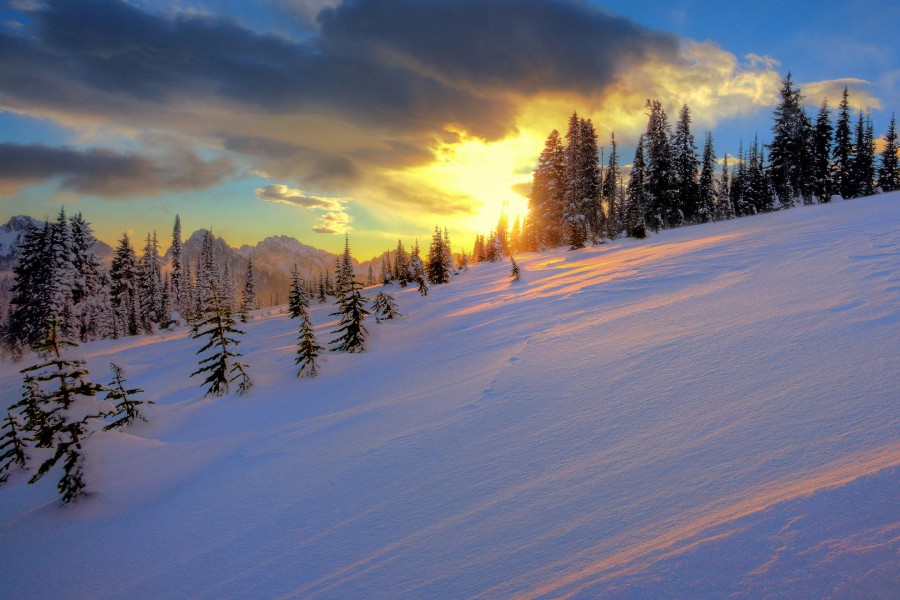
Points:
(575, 200)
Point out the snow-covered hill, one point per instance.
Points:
(712, 412)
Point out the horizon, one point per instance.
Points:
(312, 119)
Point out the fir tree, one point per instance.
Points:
(401, 265)
(686, 165)
(889, 173)
(581, 200)
(298, 299)
(447, 253)
(128, 408)
(386, 274)
(249, 297)
(843, 150)
(124, 288)
(822, 154)
(862, 164)
(370, 277)
(661, 207)
(635, 207)
(514, 273)
(609, 191)
(12, 450)
(221, 366)
(351, 308)
(384, 308)
(29, 310)
(308, 349)
(57, 415)
(179, 275)
(150, 285)
(90, 289)
(436, 269)
(724, 207)
(706, 205)
(545, 203)
(788, 144)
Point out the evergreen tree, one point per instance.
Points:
(128, 408)
(462, 263)
(661, 207)
(308, 349)
(221, 366)
(386, 271)
(843, 150)
(514, 273)
(581, 199)
(608, 193)
(889, 173)
(545, 203)
(249, 296)
(125, 281)
(298, 299)
(401, 265)
(436, 269)
(322, 289)
(447, 253)
(12, 450)
(370, 278)
(515, 236)
(786, 153)
(686, 163)
(724, 207)
(706, 205)
(822, 154)
(384, 308)
(29, 310)
(862, 164)
(207, 273)
(351, 308)
(635, 207)
(58, 404)
(90, 288)
(150, 285)
(179, 274)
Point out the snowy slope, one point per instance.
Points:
(712, 411)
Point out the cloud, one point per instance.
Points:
(336, 220)
(287, 195)
(107, 173)
(833, 89)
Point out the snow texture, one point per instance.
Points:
(710, 412)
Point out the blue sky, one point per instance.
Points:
(383, 118)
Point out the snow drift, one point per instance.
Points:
(710, 412)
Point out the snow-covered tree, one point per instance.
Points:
(384, 307)
(13, 447)
(581, 199)
(862, 164)
(821, 160)
(636, 203)
(90, 289)
(308, 349)
(514, 272)
(706, 198)
(249, 297)
(298, 299)
(661, 208)
(127, 407)
(686, 164)
(150, 285)
(180, 278)
(124, 287)
(609, 193)
(724, 207)
(843, 150)
(545, 204)
(889, 173)
(351, 308)
(220, 363)
(436, 269)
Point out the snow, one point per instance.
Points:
(709, 412)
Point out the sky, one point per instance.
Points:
(383, 118)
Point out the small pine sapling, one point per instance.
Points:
(384, 308)
(514, 272)
(13, 447)
(127, 407)
(423, 287)
(308, 349)
(222, 367)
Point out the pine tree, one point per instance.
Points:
(386, 274)
(514, 273)
(862, 164)
(370, 277)
(12, 450)
(125, 280)
(822, 154)
(401, 265)
(150, 285)
(308, 349)
(686, 165)
(222, 366)
(581, 200)
(462, 263)
(207, 272)
(384, 308)
(436, 269)
(661, 207)
(128, 408)
(545, 203)
(179, 274)
(635, 207)
(58, 404)
(608, 193)
(843, 150)
(724, 207)
(706, 205)
(447, 253)
(889, 173)
(788, 144)
(30, 303)
(90, 288)
(298, 299)
(249, 297)
(352, 312)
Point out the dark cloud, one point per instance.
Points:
(284, 160)
(403, 66)
(107, 173)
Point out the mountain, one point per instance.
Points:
(708, 413)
